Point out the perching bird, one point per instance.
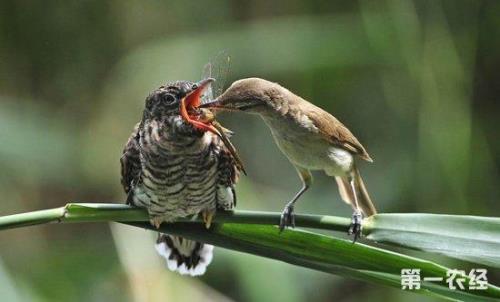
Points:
(310, 137)
(174, 170)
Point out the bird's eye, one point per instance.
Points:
(169, 98)
(195, 86)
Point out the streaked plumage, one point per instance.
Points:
(174, 170)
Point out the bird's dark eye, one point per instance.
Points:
(195, 86)
(169, 98)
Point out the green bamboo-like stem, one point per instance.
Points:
(471, 238)
(88, 212)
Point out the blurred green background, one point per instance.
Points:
(416, 81)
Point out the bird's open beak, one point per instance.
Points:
(191, 102)
(193, 99)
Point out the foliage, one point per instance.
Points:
(254, 233)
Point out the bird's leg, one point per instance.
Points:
(208, 215)
(287, 216)
(357, 216)
(156, 221)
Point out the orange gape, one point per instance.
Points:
(190, 103)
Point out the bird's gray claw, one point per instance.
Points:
(287, 218)
(356, 226)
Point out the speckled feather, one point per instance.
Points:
(174, 170)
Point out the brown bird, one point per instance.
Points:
(310, 137)
(174, 169)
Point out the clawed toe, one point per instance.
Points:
(156, 221)
(208, 216)
(287, 218)
(356, 226)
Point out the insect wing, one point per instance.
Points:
(217, 68)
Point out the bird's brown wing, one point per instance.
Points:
(337, 133)
(130, 161)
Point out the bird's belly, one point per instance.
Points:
(309, 152)
(303, 153)
(189, 203)
(181, 191)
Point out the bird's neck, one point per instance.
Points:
(171, 133)
(280, 109)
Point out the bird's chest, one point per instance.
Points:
(177, 181)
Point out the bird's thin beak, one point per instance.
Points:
(193, 99)
(221, 104)
(228, 102)
(212, 104)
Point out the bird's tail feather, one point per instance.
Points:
(184, 256)
(346, 193)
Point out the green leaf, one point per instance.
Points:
(471, 238)
(327, 254)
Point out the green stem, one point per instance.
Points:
(88, 212)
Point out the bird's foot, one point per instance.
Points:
(287, 218)
(156, 221)
(208, 215)
(356, 225)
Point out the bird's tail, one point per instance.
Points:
(184, 256)
(347, 194)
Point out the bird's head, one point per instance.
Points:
(252, 95)
(170, 99)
